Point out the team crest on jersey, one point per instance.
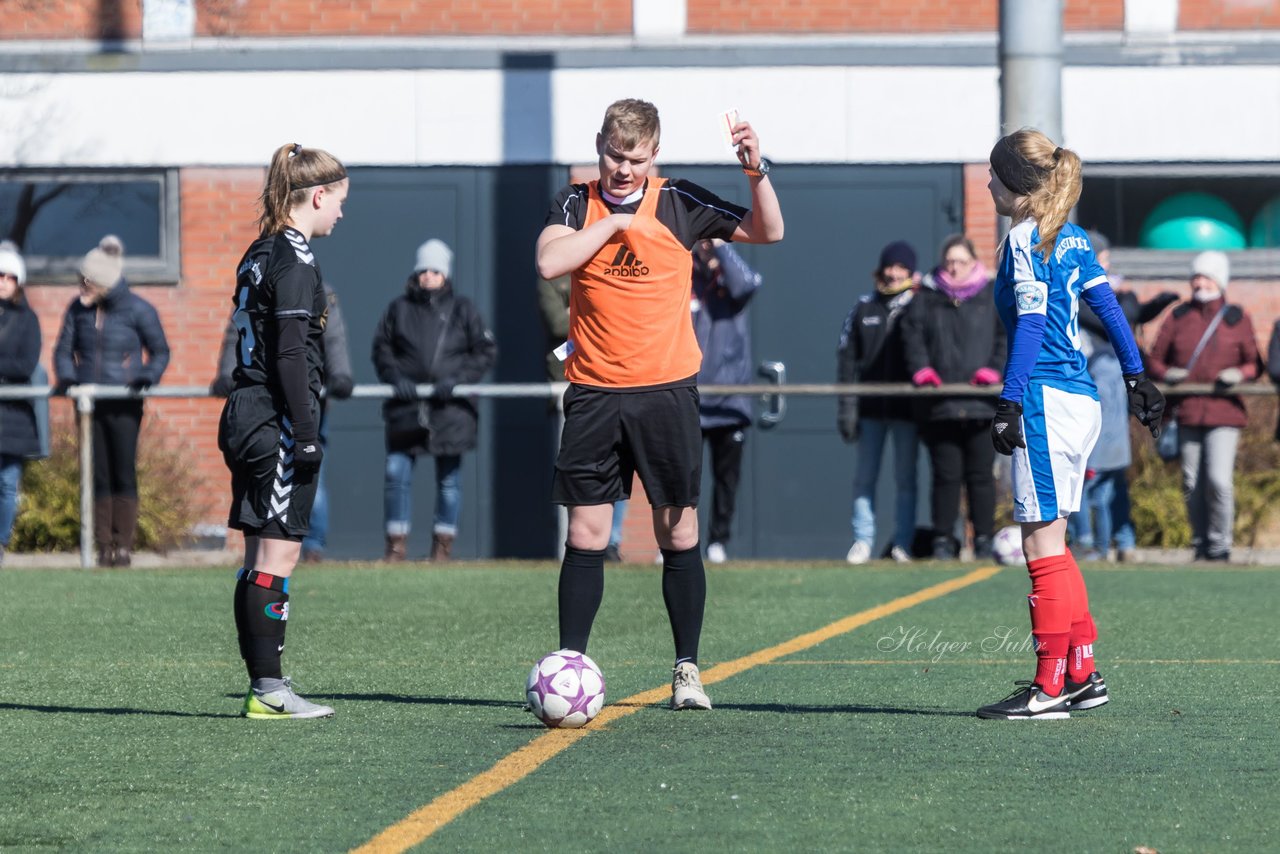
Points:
(1030, 296)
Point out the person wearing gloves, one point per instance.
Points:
(338, 384)
(871, 351)
(19, 355)
(111, 336)
(952, 334)
(1104, 513)
(1208, 340)
(429, 335)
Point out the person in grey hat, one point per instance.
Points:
(111, 336)
(429, 334)
(19, 355)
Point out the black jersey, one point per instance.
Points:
(278, 285)
(692, 213)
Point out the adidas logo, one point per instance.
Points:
(625, 264)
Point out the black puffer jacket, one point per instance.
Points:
(19, 353)
(105, 343)
(427, 336)
(955, 339)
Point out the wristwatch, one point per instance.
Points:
(760, 171)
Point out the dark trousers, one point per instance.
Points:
(962, 454)
(115, 448)
(726, 468)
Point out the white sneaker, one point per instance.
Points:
(899, 555)
(859, 552)
(686, 688)
(716, 553)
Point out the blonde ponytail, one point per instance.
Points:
(1056, 186)
(292, 172)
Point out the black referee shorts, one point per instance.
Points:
(269, 497)
(610, 436)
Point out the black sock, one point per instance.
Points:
(684, 589)
(261, 607)
(581, 589)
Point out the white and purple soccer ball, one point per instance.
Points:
(1007, 545)
(565, 689)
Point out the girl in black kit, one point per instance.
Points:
(269, 433)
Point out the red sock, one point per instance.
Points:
(1050, 602)
(1083, 631)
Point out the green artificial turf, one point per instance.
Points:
(119, 694)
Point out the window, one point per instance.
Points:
(56, 217)
(1119, 202)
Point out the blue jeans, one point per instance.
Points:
(10, 479)
(619, 516)
(871, 440)
(398, 493)
(1104, 513)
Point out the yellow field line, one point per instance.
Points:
(421, 823)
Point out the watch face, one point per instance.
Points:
(765, 166)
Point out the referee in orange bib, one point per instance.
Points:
(632, 362)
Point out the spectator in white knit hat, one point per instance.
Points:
(19, 354)
(1208, 340)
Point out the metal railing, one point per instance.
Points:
(773, 395)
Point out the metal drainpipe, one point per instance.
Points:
(1030, 70)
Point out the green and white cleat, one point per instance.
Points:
(281, 703)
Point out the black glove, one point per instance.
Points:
(61, 386)
(406, 389)
(1006, 427)
(849, 430)
(1146, 403)
(307, 454)
(340, 387)
(442, 389)
(222, 386)
(139, 384)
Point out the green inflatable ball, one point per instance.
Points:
(1193, 221)
(1265, 231)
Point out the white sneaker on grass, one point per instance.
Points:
(860, 552)
(281, 703)
(898, 554)
(716, 553)
(686, 688)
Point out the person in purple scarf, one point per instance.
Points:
(951, 334)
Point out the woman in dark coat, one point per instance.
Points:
(19, 353)
(952, 334)
(429, 335)
(112, 336)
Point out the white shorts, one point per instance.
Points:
(1060, 429)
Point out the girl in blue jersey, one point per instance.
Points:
(1048, 416)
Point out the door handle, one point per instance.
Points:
(775, 404)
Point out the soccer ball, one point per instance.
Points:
(565, 689)
(1007, 545)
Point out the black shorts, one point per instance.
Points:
(269, 498)
(610, 436)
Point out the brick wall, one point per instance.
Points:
(1228, 14)
(71, 19)
(876, 16)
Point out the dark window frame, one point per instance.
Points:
(140, 269)
(1137, 263)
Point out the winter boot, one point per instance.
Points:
(124, 525)
(397, 548)
(441, 548)
(102, 537)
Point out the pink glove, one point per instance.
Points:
(985, 376)
(926, 376)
